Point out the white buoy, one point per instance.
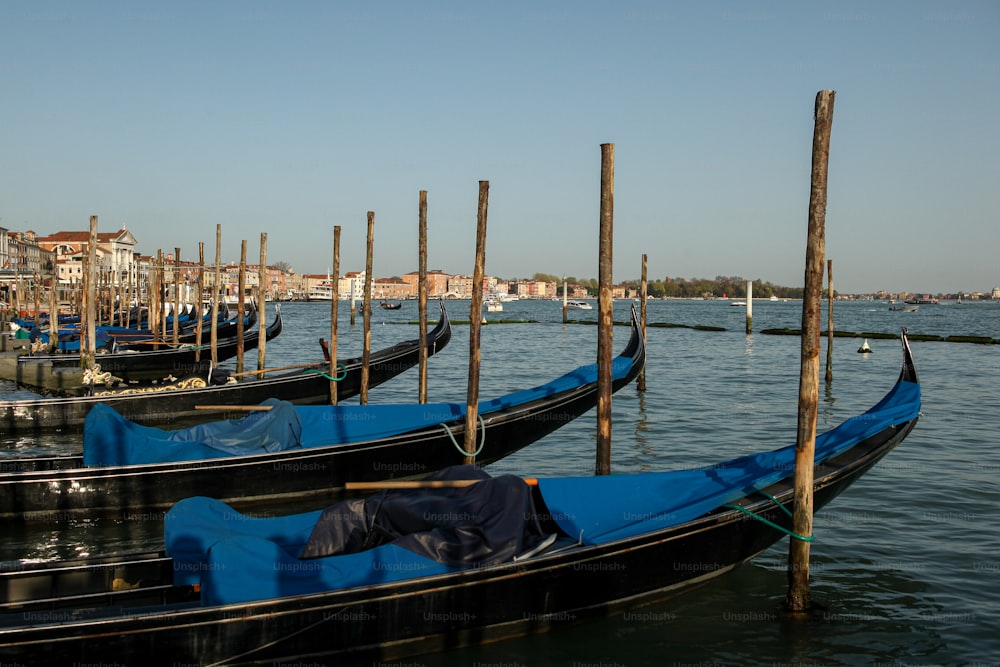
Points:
(864, 349)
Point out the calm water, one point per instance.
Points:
(906, 562)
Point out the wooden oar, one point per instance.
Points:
(279, 368)
(421, 484)
(238, 408)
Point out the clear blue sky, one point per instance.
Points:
(290, 118)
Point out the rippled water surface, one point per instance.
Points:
(906, 562)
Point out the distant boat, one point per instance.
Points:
(922, 302)
(389, 305)
(905, 309)
(493, 305)
(321, 292)
(582, 305)
(774, 298)
(738, 303)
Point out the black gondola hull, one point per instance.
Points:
(50, 490)
(180, 406)
(388, 622)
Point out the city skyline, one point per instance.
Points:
(290, 120)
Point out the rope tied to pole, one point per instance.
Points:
(341, 368)
(460, 448)
(768, 522)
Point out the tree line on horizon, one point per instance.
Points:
(688, 288)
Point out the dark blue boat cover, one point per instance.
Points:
(393, 535)
(111, 440)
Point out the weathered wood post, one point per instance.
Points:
(160, 328)
(53, 313)
(829, 320)
(36, 293)
(262, 303)
(216, 283)
(89, 351)
(177, 295)
(643, 293)
(422, 293)
(749, 306)
(161, 273)
(797, 598)
(565, 301)
(366, 311)
(475, 323)
(334, 312)
(199, 302)
(242, 281)
(605, 313)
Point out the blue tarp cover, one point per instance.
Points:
(111, 440)
(606, 508)
(239, 559)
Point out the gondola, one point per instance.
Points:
(152, 363)
(303, 386)
(333, 445)
(390, 305)
(112, 336)
(246, 598)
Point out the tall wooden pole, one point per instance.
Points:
(36, 293)
(334, 308)
(262, 303)
(565, 301)
(643, 292)
(422, 293)
(475, 324)
(199, 302)
(240, 306)
(89, 351)
(366, 311)
(161, 311)
(749, 306)
(797, 598)
(605, 310)
(829, 320)
(53, 313)
(177, 294)
(214, 324)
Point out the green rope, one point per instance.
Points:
(482, 439)
(770, 523)
(340, 377)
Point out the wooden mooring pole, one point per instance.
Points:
(422, 293)
(829, 320)
(797, 598)
(240, 306)
(334, 313)
(177, 295)
(262, 304)
(216, 283)
(88, 352)
(53, 313)
(366, 311)
(749, 307)
(643, 292)
(605, 310)
(475, 324)
(565, 301)
(199, 302)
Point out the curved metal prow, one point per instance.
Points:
(909, 372)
